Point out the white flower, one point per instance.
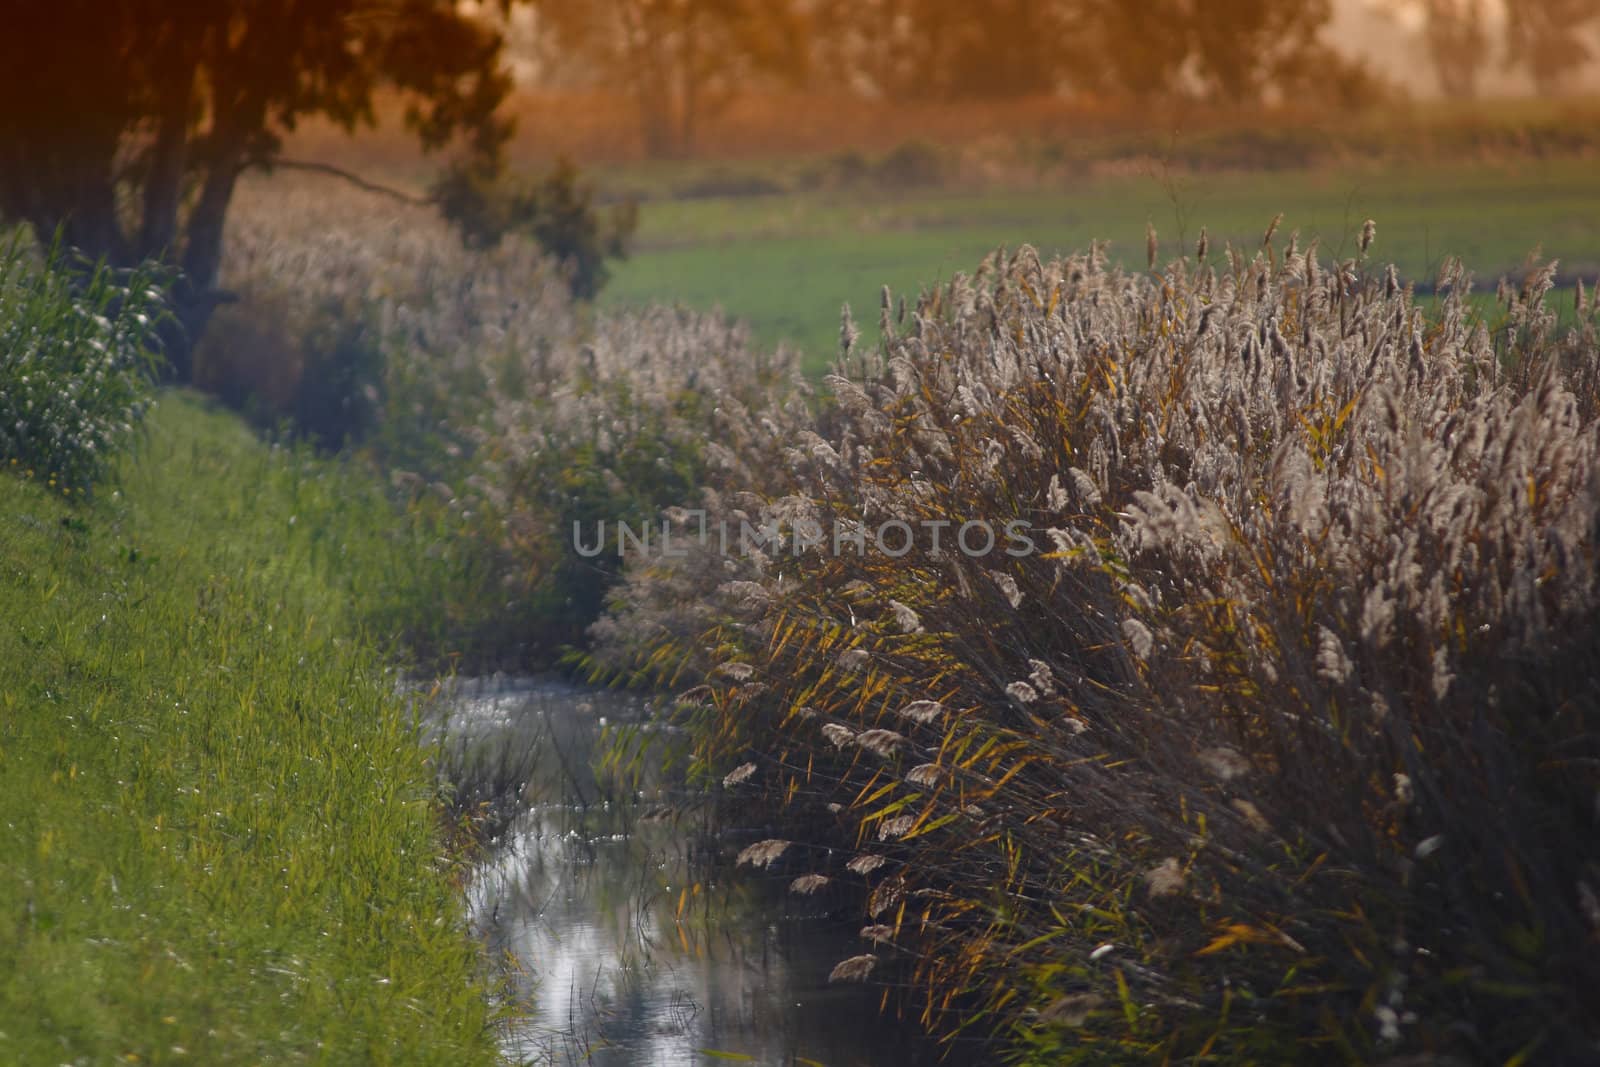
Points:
(1139, 637)
(854, 969)
(1165, 879)
(1022, 692)
(1224, 762)
(762, 853)
(738, 774)
(922, 711)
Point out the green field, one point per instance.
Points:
(220, 839)
(786, 263)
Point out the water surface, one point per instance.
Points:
(632, 940)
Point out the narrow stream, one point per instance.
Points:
(632, 939)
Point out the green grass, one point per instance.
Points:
(219, 830)
(787, 263)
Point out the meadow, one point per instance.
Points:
(781, 216)
(785, 262)
(1275, 748)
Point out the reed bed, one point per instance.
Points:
(1274, 734)
(501, 411)
(1278, 742)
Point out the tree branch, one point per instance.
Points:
(339, 172)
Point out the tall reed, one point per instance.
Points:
(1283, 740)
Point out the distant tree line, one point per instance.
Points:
(683, 59)
(1549, 40)
(126, 124)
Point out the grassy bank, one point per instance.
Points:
(219, 839)
(785, 263)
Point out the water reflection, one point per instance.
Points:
(633, 942)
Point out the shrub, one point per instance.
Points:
(728, 182)
(369, 322)
(842, 170)
(558, 212)
(912, 164)
(620, 436)
(1283, 743)
(501, 412)
(78, 359)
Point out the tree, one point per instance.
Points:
(945, 49)
(1458, 44)
(681, 60)
(1143, 47)
(1245, 48)
(127, 123)
(1548, 39)
(1234, 52)
(558, 212)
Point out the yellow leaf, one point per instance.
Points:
(1225, 941)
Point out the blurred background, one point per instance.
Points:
(790, 156)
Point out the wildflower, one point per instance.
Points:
(922, 711)
(840, 736)
(1165, 879)
(905, 618)
(883, 743)
(762, 853)
(853, 659)
(1088, 492)
(1056, 498)
(899, 826)
(1224, 763)
(1071, 1010)
(1442, 675)
(1041, 678)
(1589, 905)
(1022, 693)
(1139, 637)
(848, 334)
(886, 895)
(854, 969)
(1252, 815)
(1008, 586)
(739, 672)
(738, 774)
(807, 884)
(865, 863)
(1332, 663)
(1272, 228)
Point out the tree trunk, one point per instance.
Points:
(196, 295)
(91, 220)
(688, 68)
(163, 190)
